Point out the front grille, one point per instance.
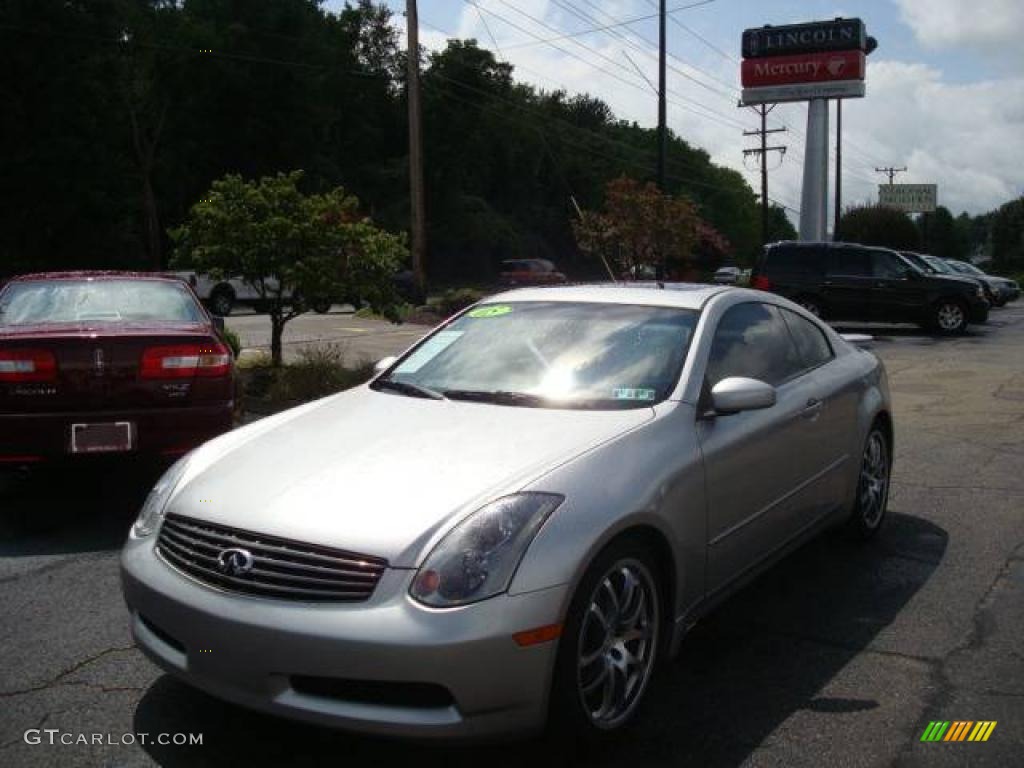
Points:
(281, 568)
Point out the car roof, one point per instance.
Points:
(681, 295)
(97, 274)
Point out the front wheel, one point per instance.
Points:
(222, 302)
(872, 486)
(811, 304)
(610, 644)
(950, 316)
(322, 306)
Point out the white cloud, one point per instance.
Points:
(945, 23)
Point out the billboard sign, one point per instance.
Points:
(772, 94)
(909, 198)
(803, 68)
(815, 37)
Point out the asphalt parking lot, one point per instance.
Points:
(840, 655)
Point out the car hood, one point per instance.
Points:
(382, 474)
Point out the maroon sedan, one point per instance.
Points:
(108, 363)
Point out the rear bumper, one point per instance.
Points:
(46, 437)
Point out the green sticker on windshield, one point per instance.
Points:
(626, 393)
(496, 310)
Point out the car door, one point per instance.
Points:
(895, 296)
(824, 471)
(755, 461)
(847, 283)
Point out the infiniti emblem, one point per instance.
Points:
(235, 561)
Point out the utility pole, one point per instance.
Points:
(662, 132)
(417, 215)
(839, 170)
(891, 172)
(762, 153)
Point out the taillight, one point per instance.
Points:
(183, 361)
(762, 283)
(27, 365)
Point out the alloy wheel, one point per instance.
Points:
(873, 489)
(617, 643)
(950, 316)
(811, 306)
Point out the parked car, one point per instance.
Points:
(1002, 289)
(108, 362)
(527, 272)
(844, 281)
(932, 265)
(727, 275)
(515, 520)
(223, 295)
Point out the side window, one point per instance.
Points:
(797, 261)
(811, 342)
(850, 262)
(887, 266)
(752, 341)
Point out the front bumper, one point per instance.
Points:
(250, 650)
(42, 437)
(977, 311)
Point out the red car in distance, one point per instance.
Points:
(523, 272)
(108, 363)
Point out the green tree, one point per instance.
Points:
(286, 244)
(779, 225)
(879, 225)
(940, 235)
(1008, 235)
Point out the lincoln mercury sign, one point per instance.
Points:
(909, 198)
(803, 62)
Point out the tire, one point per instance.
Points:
(222, 301)
(322, 306)
(811, 304)
(950, 316)
(590, 651)
(873, 482)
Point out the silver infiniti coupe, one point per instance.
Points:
(515, 521)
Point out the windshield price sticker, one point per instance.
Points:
(431, 348)
(496, 310)
(626, 393)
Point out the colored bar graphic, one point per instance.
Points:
(958, 730)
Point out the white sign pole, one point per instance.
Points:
(814, 200)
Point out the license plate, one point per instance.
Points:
(109, 437)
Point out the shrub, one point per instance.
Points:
(319, 371)
(234, 343)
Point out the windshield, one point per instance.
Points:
(938, 265)
(967, 269)
(551, 354)
(97, 301)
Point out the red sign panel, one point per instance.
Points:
(803, 68)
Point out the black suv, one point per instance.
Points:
(846, 281)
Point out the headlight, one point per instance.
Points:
(981, 292)
(478, 557)
(153, 508)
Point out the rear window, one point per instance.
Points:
(97, 301)
(807, 262)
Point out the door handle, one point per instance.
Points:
(812, 409)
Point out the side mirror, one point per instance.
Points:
(737, 394)
(218, 323)
(383, 364)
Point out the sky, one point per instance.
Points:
(945, 88)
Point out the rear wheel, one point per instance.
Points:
(222, 301)
(872, 485)
(950, 316)
(609, 648)
(322, 306)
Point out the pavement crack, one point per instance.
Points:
(61, 679)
